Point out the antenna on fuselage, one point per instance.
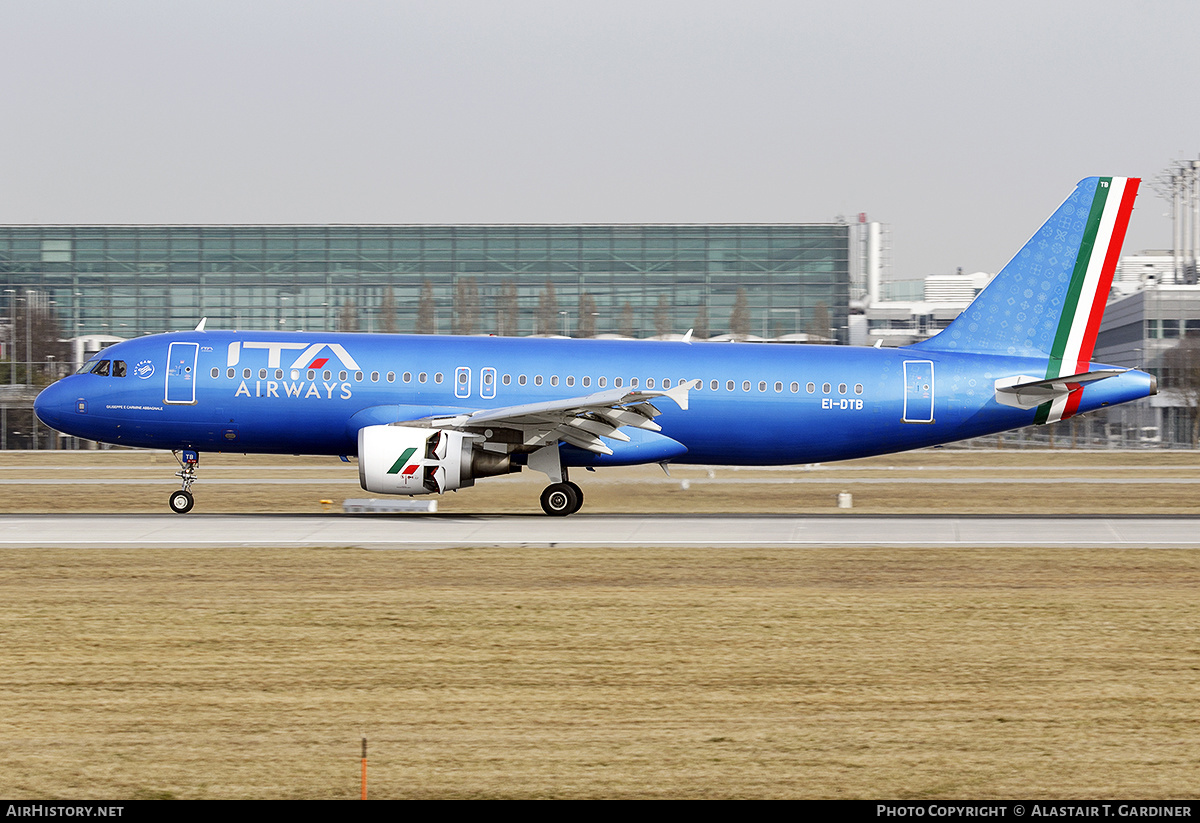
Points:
(200, 325)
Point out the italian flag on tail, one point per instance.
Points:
(1087, 293)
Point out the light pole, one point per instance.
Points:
(12, 335)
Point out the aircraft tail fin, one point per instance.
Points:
(1049, 299)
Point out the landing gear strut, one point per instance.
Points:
(561, 499)
(181, 501)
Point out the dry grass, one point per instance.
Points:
(616, 673)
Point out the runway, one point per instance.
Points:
(433, 531)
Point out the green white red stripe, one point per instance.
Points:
(1087, 294)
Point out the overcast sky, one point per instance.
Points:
(963, 125)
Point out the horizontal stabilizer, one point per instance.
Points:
(1025, 392)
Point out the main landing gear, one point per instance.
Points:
(181, 501)
(561, 499)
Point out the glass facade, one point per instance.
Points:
(763, 280)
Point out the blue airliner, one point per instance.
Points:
(426, 415)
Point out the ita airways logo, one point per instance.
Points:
(399, 466)
(144, 369)
(312, 355)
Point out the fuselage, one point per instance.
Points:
(756, 404)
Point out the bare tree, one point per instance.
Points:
(585, 325)
(739, 319)
(426, 311)
(662, 316)
(547, 311)
(818, 326)
(626, 325)
(700, 323)
(34, 342)
(348, 316)
(387, 312)
(508, 310)
(1181, 374)
(466, 306)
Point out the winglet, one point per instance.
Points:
(680, 393)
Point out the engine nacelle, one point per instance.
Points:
(408, 460)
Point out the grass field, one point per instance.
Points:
(616, 673)
(911, 673)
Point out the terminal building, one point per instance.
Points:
(67, 291)
(586, 280)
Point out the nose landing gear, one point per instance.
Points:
(181, 501)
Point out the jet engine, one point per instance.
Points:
(411, 460)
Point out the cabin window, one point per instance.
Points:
(795, 387)
(858, 388)
(312, 375)
(406, 377)
(729, 386)
(374, 377)
(570, 380)
(633, 381)
(714, 385)
(279, 374)
(521, 379)
(342, 375)
(810, 388)
(215, 372)
(841, 388)
(437, 378)
(762, 385)
(826, 388)
(358, 376)
(537, 380)
(601, 381)
(617, 382)
(778, 387)
(586, 381)
(649, 382)
(462, 378)
(422, 377)
(487, 378)
(666, 383)
(328, 375)
(230, 373)
(391, 377)
(245, 374)
(745, 385)
(295, 374)
(506, 379)
(554, 380)
(262, 374)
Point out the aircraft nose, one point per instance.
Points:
(52, 404)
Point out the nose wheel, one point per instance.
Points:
(561, 499)
(181, 501)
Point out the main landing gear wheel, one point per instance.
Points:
(181, 501)
(561, 499)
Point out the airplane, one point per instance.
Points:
(431, 414)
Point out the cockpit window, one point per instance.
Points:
(102, 368)
(118, 368)
(87, 367)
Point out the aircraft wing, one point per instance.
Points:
(579, 421)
